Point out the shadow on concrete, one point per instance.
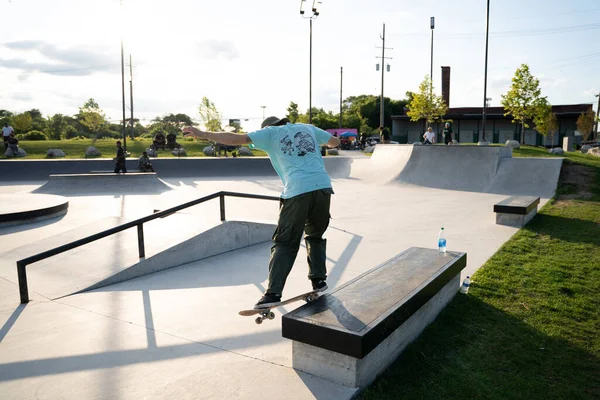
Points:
(11, 321)
(30, 225)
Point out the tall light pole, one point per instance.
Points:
(597, 115)
(315, 14)
(383, 58)
(263, 107)
(123, 82)
(432, 23)
(341, 84)
(487, 29)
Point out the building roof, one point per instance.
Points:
(498, 112)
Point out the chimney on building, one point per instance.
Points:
(446, 85)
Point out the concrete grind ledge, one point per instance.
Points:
(360, 372)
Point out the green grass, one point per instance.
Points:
(530, 326)
(107, 147)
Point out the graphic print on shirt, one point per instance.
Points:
(304, 143)
(287, 145)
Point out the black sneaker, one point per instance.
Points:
(268, 300)
(319, 285)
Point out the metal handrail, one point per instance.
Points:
(22, 264)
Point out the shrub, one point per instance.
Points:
(34, 135)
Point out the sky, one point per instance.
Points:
(244, 54)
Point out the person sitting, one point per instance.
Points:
(13, 144)
(144, 163)
(172, 141)
(159, 141)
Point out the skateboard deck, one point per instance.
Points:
(266, 313)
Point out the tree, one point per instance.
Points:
(545, 120)
(585, 124)
(57, 127)
(210, 115)
(22, 122)
(92, 117)
(292, 112)
(522, 101)
(425, 104)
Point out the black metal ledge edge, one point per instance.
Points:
(358, 345)
(520, 210)
(28, 215)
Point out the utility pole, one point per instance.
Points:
(487, 30)
(597, 114)
(383, 58)
(431, 67)
(123, 86)
(341, 83)
(131, 95)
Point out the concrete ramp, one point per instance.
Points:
(103, 183)
(484, 169)
(169, 242)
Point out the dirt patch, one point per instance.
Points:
(579, 179)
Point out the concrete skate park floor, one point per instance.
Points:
(176, 333)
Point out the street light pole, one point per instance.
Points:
(315, 14)
(263, 107)
(597, 115)
(341, 84)
(487, 29)
(431, 68)
(123, 82)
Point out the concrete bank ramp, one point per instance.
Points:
(485, 169)
(170, 242)
(103, 184)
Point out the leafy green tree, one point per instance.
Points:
(426, 104)
(292, 112)
(38, 121)
(22, 123)
(57, 127)
(585, 124)
(523, 99)
(210, 115)
(545, 120)
(92, 117)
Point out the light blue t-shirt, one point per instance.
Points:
(294, 150)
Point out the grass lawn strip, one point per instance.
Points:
(530, 325)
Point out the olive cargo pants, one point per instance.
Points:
(309, 213)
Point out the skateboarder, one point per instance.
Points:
(305, 200)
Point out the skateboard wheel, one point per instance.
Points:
(258, 320)
(271, 315)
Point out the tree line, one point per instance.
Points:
(523, 102)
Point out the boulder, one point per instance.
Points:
(594, 151)
(369, 149)
(209, 151)
(9, 153)
(333, 152)
(455, 141)
(92, 152)
(585, 148)
(55, 153)
(244, 151)
(557, 151)
(180, 151)
(151, 152)
(513, 144)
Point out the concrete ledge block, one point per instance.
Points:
(515, 220)
(359, 373)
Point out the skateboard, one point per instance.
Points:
(266, 313)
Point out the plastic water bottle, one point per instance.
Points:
(442, 241)
(464, 288)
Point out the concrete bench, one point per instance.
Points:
(355, 332)
(516, 211)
